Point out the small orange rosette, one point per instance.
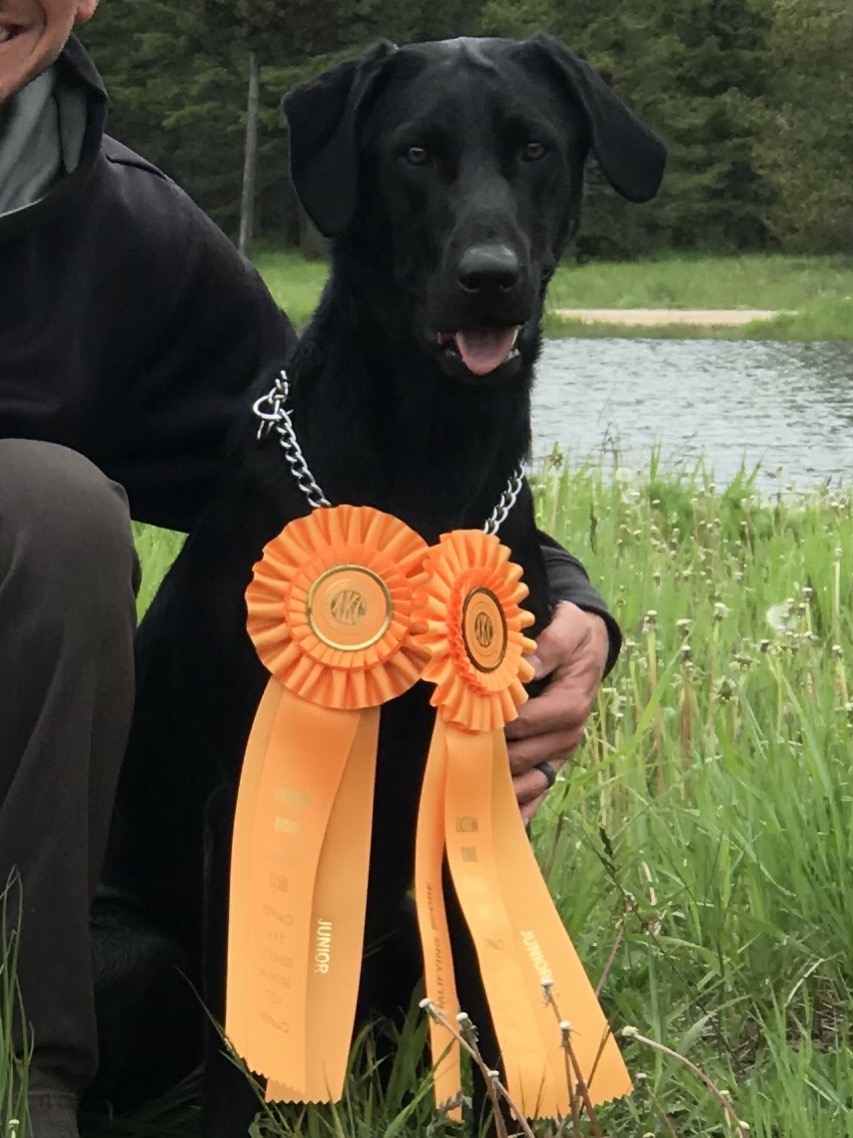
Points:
(330, 610)
(470, 623)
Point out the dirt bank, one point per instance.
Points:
(652, 317)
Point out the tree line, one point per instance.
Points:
(753, 97)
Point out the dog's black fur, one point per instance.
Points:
(449, 177)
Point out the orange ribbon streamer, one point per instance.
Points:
(472, 622)
(330, 608)
(334, 616)
(299, 912)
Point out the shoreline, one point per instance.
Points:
(663, 317)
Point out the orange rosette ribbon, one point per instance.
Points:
(470, 623)
(330, 612)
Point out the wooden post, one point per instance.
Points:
(250, 164)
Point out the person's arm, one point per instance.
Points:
(198, 327)
(569, 581)
(575, 651)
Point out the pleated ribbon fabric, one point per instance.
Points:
(330, 609)
(471, 625)
(348, 608)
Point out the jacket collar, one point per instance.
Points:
(70, 191)
(77, 66)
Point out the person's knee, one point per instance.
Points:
(65, 535)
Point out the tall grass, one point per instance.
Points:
(710, 815)
(706, 829)
(14, 1053)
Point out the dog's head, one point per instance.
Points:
(455, 170)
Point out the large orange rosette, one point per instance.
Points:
(329, 612)
(471, 623)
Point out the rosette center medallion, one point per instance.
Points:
(349, 608)
(484, 629)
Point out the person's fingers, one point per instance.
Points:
(560, 707)
(570, 629)
(555, 746)
(531, 783)
(529, 808)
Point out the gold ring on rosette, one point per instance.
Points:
(349, 607)
(331, 607)
(470, 623)
(484, 630)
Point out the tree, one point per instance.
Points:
(753, 98)
(808, 140)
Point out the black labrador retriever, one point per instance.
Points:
(449, 177)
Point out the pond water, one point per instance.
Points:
(759, 403)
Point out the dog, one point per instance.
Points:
(448, 177)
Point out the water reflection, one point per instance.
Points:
(767, 404)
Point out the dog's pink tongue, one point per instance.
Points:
(484, 349)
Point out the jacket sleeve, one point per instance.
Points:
(568, 581)
(200, 327)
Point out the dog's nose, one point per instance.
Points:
(489, 268)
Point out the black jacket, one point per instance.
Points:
(129, 324)
(131, 328)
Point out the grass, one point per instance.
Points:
(817, 290)
(714, 803)
(14, 1064)
(295, 283)
(707, 828)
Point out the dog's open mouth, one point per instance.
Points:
(481, 350)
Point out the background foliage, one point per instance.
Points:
(752, 96)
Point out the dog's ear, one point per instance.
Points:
(631, 156)
(322, 116)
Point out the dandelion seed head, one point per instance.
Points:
(725, 689)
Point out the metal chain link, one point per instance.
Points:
(274, 416)
(278, 418)
(505, 503)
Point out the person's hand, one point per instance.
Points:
(572, 650)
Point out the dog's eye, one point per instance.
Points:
(416, 156)
(533, 151)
